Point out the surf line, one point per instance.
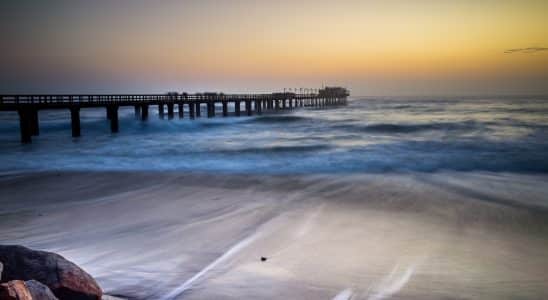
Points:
(233, 250)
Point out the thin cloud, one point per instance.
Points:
(526, 50)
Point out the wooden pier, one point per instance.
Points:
(190, 105)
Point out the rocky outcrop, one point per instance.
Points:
(65, 279)
(14, 290)
(25, 290)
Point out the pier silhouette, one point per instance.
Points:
(28, 106)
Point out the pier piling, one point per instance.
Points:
(210, 109)
(170, 111)
(75, 121)
(198, 109)
(181, 110)
(144, 112)
(113, 118)
(258, 107)
(161, 110)
(191, 108)
(24, 124)
(225, 108)
(237, 108)
(137, 110)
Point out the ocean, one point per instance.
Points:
(369, 135)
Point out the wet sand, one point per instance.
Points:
(161, 235)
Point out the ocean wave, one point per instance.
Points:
(272, 149)
(409, 128)
(279, 119)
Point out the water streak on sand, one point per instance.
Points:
(307, 225)
(392, 284)
(228, 254)
(344, 295)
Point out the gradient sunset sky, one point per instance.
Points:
(372, 47)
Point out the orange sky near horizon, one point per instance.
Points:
(373, 47)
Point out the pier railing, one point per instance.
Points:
(123, 98)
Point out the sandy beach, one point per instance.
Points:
(168, 235)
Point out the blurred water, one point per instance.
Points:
(369, 135)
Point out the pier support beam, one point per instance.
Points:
(113, 118)
(277, 104)
(24, 125)
(137, 110)
(161, 110)
(191, 108)
(284, 104)
(225, 109)
(198, 109)
(181, 110)
(144, 112)
(210, 109)
(237, 108)
(259, 106)
(75, 121)
(248, 107)
(170, 111)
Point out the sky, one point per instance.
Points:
(389, 47)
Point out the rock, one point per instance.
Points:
(65, 279)
(39, 291)
(263, 258)
(25, 290)
(14, 290)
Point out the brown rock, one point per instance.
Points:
(14, 290)
(65, 279)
